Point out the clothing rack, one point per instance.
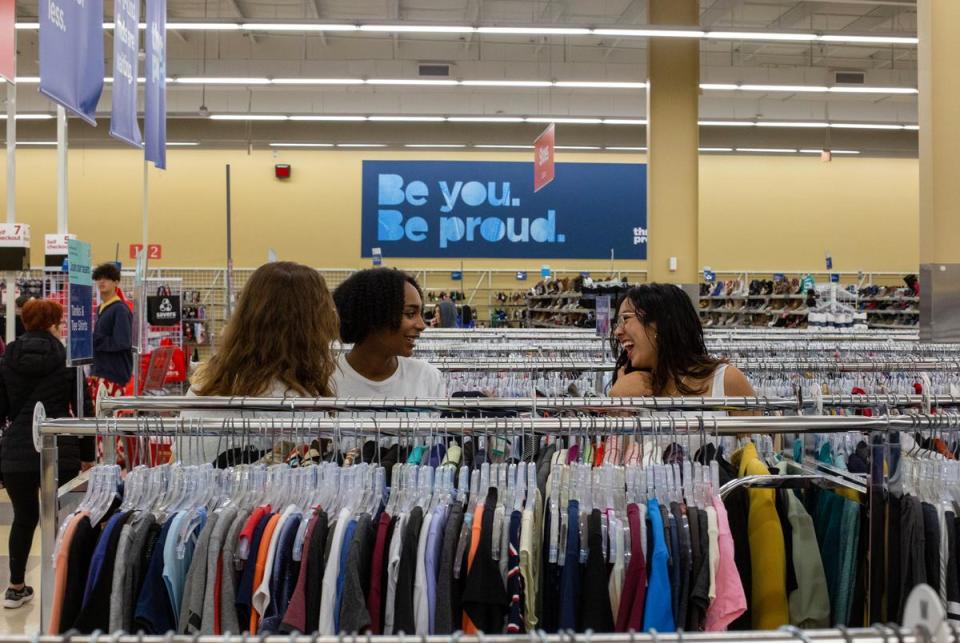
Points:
(109, 405)
(877, 634)
(46, 432)
(814, 365)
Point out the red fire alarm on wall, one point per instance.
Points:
(281, 170)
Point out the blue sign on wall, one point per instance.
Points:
(71, 55)
(489, 209)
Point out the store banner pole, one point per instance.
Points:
(62, 212)
(11, 276)
(229, 276)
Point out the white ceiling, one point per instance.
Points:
(373, 55)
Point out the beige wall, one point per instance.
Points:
(756, 213)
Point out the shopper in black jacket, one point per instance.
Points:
(34, 370)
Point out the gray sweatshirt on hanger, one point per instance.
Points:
(228, 590)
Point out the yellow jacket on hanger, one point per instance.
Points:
(768, 559)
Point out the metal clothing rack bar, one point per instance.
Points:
(879, 634)
(458, 365)
(863, 635)
(109, 405)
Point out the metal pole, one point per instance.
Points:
(49, 524)
(229, 277)
(62, 212)
(11, 276)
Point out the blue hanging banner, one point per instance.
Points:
(71, 55)
(126, 39)
(155, 106)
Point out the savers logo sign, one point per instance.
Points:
(490, 210)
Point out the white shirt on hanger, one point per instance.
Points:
(328, 601)
(413, 378)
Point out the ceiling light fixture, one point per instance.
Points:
(577, 147)
(435, 145)
(625, 149)
(249, 117)
(182, 143)
(301, 144)
(767, 150)
(504, 147)
(408, 119)
(36, 143)
(317, 81)
(410, 81)
(565, 120)
(646, 32)
(220, 80)
(831, 151)
(324, 117)
(485, 119)
(715, 149)
(797, 124)
(30, 117)
(361, 145)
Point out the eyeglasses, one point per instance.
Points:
(623, 318)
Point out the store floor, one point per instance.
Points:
(26, 619)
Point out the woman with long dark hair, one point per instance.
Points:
(662, 351)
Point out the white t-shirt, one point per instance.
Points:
(413, 378)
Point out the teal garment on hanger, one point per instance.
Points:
(849, 537)
(798, 450)
(826, 454)
(416, 455)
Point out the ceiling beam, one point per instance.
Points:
(243, 16)
(631, 14)
(317, 6)
(719, 10)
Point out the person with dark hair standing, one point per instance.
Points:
(34, 370)
(446, 314)
(663, 351)
(381, 314)
(112, 333)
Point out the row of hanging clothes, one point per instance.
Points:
(431, 536)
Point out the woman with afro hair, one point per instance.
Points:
(381, 314)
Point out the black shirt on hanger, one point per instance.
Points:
(82, 544)
(597, 614)
(95, 613)
(315, 566)
(485, 598)
(406, 574)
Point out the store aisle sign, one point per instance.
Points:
(14, 235)
(71, 54)
(80, 319)
(155, 91)
(154, 250)
(123, 97)
(490, 209)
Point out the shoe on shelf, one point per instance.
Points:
(15, 598)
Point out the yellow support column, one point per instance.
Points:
(938, 27)
(673, 139)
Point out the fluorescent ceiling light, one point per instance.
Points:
(720, 87)
(301, 144)
(727, 123)
(29, 117)
(418, 28)
(883, 126)
(322, 117)
(536, 31)
(831, 151)
(800, 124)
(28, 80)
(588, 84)
(361, 145)
(249, 117)
(317, 81)
(201, 26)
(504, 147)
(571, 121)
(576, 147)
(767, 150)
(624, 121)
(182, 143)
(783, 88)
(409, 81)
(912, 127)
(220, 80)
(755, 35)
(435, 145)
(870, 40)
(485, 119)
(625, 149)
(715, 149)
(506, 83)
(647, 33)
(662, 32)
(295, 26)
(409, 119)
(873, 90)
(36, 143)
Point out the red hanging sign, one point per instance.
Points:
(543, 158)
(154, 250)
(8, 40)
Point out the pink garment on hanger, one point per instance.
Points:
(731, 601)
